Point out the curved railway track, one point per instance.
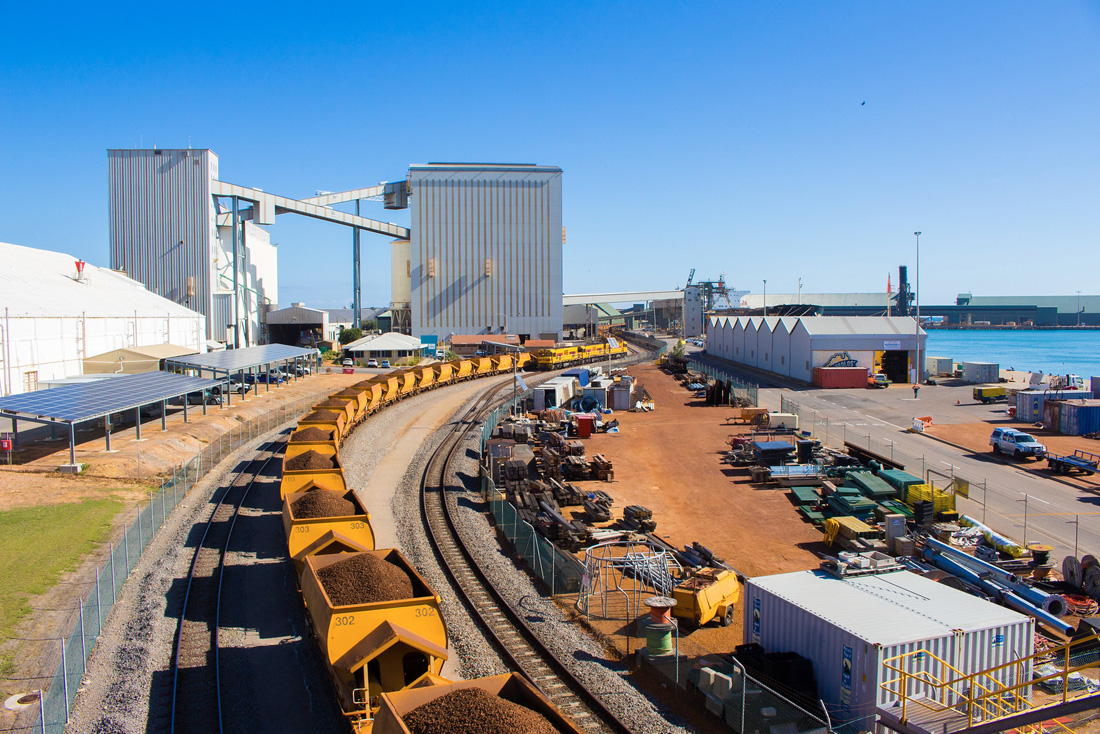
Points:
(196, 704)
(506, 629)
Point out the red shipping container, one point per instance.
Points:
(837, 377)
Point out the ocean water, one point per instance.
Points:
(1056, 351)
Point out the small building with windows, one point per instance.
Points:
(391, 346)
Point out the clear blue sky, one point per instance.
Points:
(728, 137)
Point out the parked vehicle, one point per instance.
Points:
(372, 363)
(233, 388)
(710, 594)
(878, 380)
(349, 363)
(195, 398)
(989, 394)
(385, 363)
(1067, 382)
(1017, 443)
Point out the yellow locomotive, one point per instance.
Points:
(554, 358)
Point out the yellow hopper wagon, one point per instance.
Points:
(317, 466)
(310, 515)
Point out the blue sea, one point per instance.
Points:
(1060, 351)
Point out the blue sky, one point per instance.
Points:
(727, 137)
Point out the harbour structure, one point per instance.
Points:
(484, 253)
(57, 311)
(791, 346)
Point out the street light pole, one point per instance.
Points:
(916, 330)
(765, 296)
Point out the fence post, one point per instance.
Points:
(98, 611)
(140, 546)
(111, 558)
(80, 612)
(42, 708)
(65, 681)
(126, 548)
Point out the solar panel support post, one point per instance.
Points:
(14, 431)
(184, 408)
(228, 392)
(72, 443)
(267, 382)
(107, 432)
(137, 421)
(205, 393)
(164, 415)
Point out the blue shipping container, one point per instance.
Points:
(1030, 403)
(1080, 417)
(581, 373)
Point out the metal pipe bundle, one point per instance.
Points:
(1051, 603)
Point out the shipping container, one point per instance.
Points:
(981, 372)
(1094, 385)
(555, 393)
(581, 373)
(840, 377)
(1079, 417)
(1030, 403)
(848, 627)
(939, 366)
(1052, 414)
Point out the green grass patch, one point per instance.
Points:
(38, 544)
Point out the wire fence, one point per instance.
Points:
(55, 700)
(740, 390)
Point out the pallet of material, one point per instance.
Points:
(813, 516)
(872, 486)
(806, 495)
(855, 506)
(894, 507)
(800, 474)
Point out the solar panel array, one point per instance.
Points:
(237, 360)
(112, 395)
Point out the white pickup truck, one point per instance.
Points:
(1016, 443)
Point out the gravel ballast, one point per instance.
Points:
(475, 711)
(322, 503)
(364, 579)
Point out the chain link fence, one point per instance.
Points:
(56, 700)
(740, 390)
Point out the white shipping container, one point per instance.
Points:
(939, 366)
(981, 373)
(849, 627)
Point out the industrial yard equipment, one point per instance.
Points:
(705, 595)
(989, 394)
(1080, 461)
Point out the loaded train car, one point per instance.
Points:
(553, 358)
(371, 648)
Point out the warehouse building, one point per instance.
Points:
(59, 312)
(169, 232)
(484, 254)
(792, 346)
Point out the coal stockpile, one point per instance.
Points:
(475, 711)
(323, 503)
(364, 579)
(321, 416)
(311, 434)
(309, 461)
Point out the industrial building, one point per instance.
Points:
(59, 312)
(792, 346)
(171, 231)
(391, 346)
(484, 255)
(300, 324)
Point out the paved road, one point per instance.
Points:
(1053, 509)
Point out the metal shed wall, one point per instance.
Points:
(848, 628)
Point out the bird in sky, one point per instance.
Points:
(863, 103)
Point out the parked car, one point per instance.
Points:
(480, 353)
(1017, 443)
(372, 362)
(878, 380)
(195, 398)
(301, 370)
(349, 362)
(385, 363)
(234, 388)
(273, 377)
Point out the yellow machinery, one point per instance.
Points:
(463, 369)
(391, 387)
(522, 359)
(482, 366)
(334, 424)
(509, 686)
(707, 594)
(502, 363)
(989, 394)
(376, 647)
(302, 479)
(295, 447)
(336, 403)
(360, 400)
(406, 378)
(303, 532)
(425, 377)
(444, 372)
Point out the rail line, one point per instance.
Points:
(196, 682)
(506, 629)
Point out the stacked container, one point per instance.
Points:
(1079, 417)
(1031, 404)
(981, 373)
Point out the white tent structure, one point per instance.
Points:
(54, 315)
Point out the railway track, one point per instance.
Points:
(505, 628)
(196, 704)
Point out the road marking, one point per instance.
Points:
(1055, 514)
(883, 420)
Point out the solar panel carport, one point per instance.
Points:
(74, 404)
(249, 360)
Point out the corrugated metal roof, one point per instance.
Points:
(43, 283)
(389, 342)
(887, 609)
(865, 300)
(1064, 304)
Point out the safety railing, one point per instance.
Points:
(997, 692)
(91, 612)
